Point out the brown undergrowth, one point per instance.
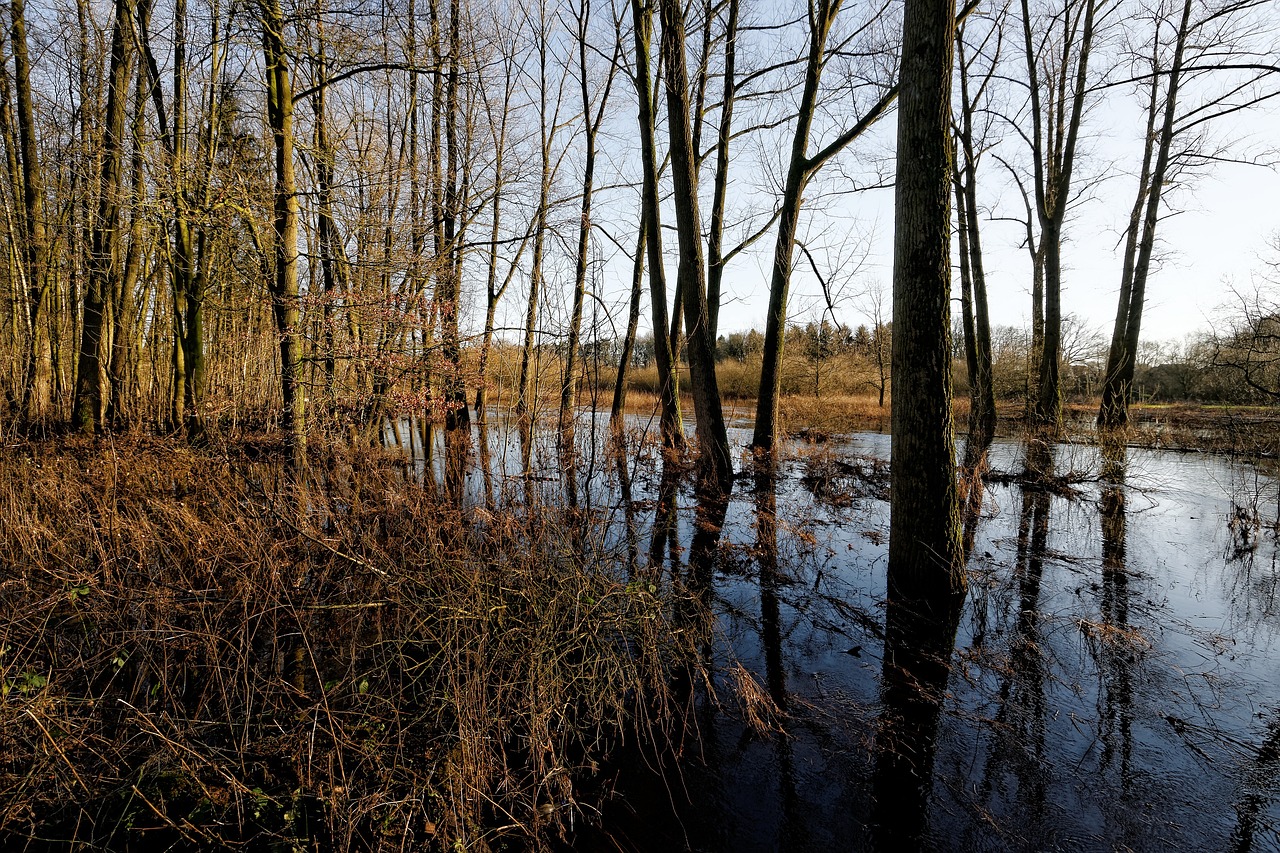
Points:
(197, 654)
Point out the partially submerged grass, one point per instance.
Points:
(196, 653)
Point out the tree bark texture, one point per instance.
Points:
(925, 555)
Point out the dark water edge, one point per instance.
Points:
(1113, 682)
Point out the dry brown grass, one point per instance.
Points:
(197, 653)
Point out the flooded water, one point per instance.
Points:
(1114, 682)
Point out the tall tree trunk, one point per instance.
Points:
(448, 284)
(977, 322)
(716, 468)
(284, 285)
(591, 127)
(493, 291)
(38, 355)
(715, 240)
(822, 16)
(123, 325)
(1053, 139)
(926, 581)
(665, 354)
(330, 242)
(104, 252)
(546, 136)
(926, 568)
(1122, 358)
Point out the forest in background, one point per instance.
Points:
(314, 215)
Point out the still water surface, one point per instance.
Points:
(1115, 682)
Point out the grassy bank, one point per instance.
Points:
(195, 653)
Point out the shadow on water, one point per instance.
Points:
(1110, 682)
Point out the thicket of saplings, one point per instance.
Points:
(199, 650)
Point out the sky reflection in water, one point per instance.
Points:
(1115, 681)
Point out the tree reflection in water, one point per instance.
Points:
(792, 834)
(665, 538)
(1114, 644)
(1019, 744)
(1079, 655)
(917, 657)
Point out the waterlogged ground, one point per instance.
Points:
(1115, 682)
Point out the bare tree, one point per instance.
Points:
(971, 141)
(593, 115)
(713, 440)
(926, 579)
(104, 269)
(549, 103)
(284, 285)
(1209, 30)
(800, 170)
(672, 425)
(1057, 48)
(35, 250)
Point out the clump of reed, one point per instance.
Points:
(199, 652)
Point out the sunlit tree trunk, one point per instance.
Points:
(104, 269)
(124, 327)
(284, 285)
(38, 354)
(800, 169)
(821, 17)
(332, 255)
(449, 280)
(592, 118)
(547, 126)
(664, 352)
(493, 290)
(713, 440)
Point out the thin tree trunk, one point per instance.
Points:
(122, 312)
(591, 127)
(633, 321)
(715, 240)
(448, 285)
(546, 136)
(822, 16)
(977, 322)
(326, 228)
(1122, 359)
(1053, 150)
